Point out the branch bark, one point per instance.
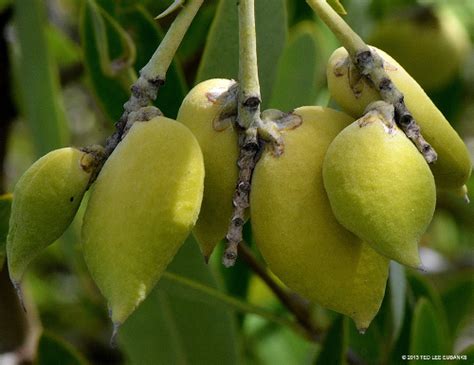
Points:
(152, 77)
(370, 65)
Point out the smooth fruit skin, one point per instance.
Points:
(431, 47)
(453, 167)
(298, 235)
(143, 206)
(45, 201)
(220, 150)
(380, 188)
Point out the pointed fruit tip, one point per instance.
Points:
(113, 338)
(422, 268)
(466, 199)
(206, 258)
(19, 293)
(362, 330)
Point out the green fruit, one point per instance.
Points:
(219, 144)
(431, 45)
(141, 209)
(453, 167)
(380, 187)
(298, 235)
(45, 201)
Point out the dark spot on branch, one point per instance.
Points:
(251, 102)
(251, 146)
(385, 84)
(156, 82)
(364, 58)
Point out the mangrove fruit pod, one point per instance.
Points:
(354, 94)
(45, 201)
(200, 113)
(141, 209)
(380, 187)
(297, 233)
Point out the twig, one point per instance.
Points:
(370, 65)
(152, 76)
(295, 304)
(248, 119)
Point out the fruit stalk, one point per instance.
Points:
(152, 76)
(370, 65)
(249, 120)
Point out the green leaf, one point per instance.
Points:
(295, 84)
(54, 350)
(147, 36)
(334, 346)
(37, 77)
(398, 285)
(427, 337)
(336, 5)
(267, 343)
(402, 345)
(195, 38)
(221, 54)
(458, 300)
(5, 208)
(176, 326)
(66, 53)
(111, 91)
(368, 346)
(420, 287)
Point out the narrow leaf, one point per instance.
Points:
(334, 347)
(295, 84)
(336, 5)
(398, 285)
(111, 91)
(221, 54)
(426, 334)
(172, 328)
(37, 77)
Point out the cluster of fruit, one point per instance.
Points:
(343, 199)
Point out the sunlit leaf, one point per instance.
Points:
(37, 76)
(221, 54)
(336, 5)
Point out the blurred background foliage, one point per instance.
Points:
(66, 67)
